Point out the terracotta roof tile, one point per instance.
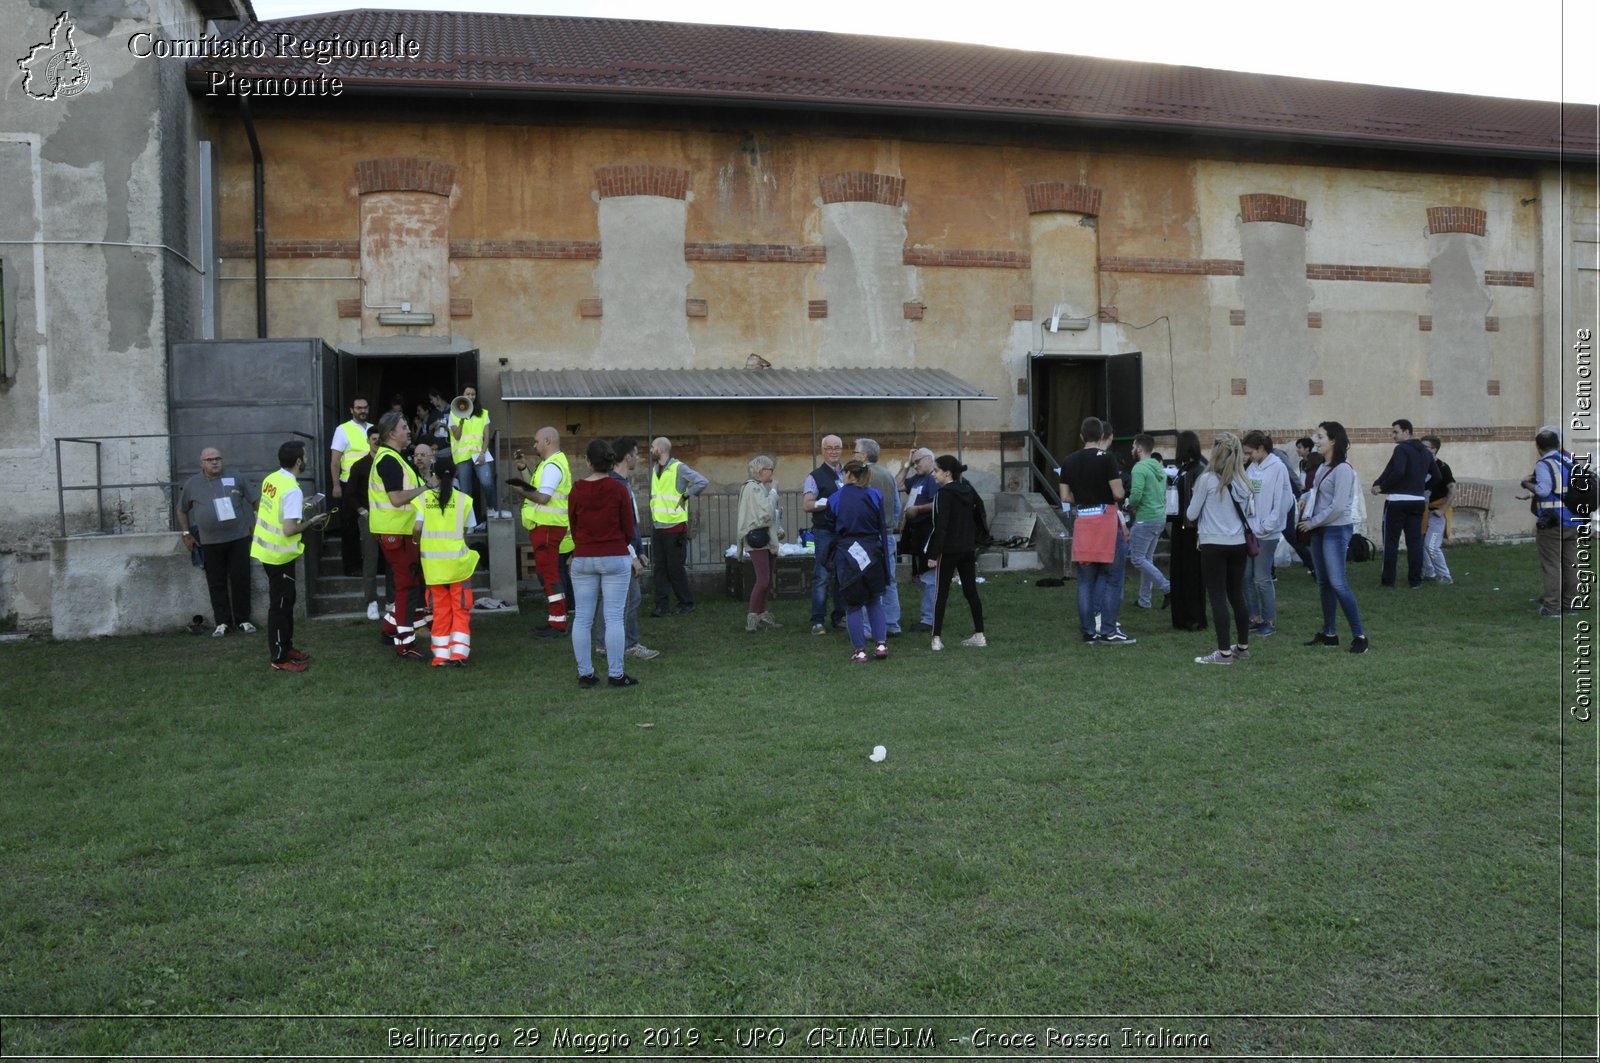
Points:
(556, 57)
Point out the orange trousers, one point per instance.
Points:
(452, 621)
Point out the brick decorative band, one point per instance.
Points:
(460, 307)
(1325, 271)
(293, 249)
(1457, 220)
(577, 249)
(858, 186)
(1264, 206)
(1045, 196)
(927, 256)
(755, 253)
(1504, 278)
(405, 175)
(642, 180)
(1203, 267)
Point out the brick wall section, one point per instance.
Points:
(1457, 220)
(913, 311)
(1022, 312)
(1202, 267)
(1263, 206)
(708, 252)
(1108, 314)
(1504, 278)
(1313, 387)
(588, 308)
(1424, 322)
(695, 308)
(1323, 271)
(460, 307)
(927, 256)
(858, 186)
(1491, 324)
(1235, 317)
(1045, 196)
(1494, 389)
(574, 249)
(405, 175)
(293, 249)
(1237, 386)
(642, 180)
(1314, 319)
(349, 307)
(816, 309)
(1424, 387)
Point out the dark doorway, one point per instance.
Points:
(380, 378)
(1066, 389)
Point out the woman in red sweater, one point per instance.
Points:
(600, 514)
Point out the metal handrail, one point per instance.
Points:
(1034, 448)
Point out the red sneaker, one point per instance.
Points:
(299, 655)
(288, 666)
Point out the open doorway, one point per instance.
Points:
(1066, 389)
(382, 379)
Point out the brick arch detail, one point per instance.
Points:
(859, 186)
(1046, 196)
(1458, 220)
(1266, 206)
(405, 175)
(642, 179)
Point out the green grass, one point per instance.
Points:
(1058, 829)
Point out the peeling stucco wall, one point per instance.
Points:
(1277, 358)
(643, 282)
(1459, 359)
(867, 286)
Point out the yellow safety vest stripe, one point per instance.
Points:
(553, 512)
(385, 517)
(270, 545)
(666, 504)
(355, 447)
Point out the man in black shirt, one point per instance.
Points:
(1091, 488)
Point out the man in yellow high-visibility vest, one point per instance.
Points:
(391, 489)
(348, 447)
(672, 484)
(276, 545)
(544, 514)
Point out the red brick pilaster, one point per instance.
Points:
(1045, 196)
(405, 175)
(642, 180)
(1264, 206)
(858, 186)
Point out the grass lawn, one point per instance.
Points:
(1310, 852)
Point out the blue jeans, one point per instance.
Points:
(1433, 563)
(488, 495)
(1141, 555)
(930, 594)
(1100, 590)
(823, 580)
(891, 593)
(602, 579)
(1260, 590)
(630, 614)
(1330, 548)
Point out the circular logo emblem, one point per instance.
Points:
(68, 72)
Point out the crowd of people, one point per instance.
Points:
(1225, 514)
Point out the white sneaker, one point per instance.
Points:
(643, 652)
(222, 629)
(373, 612)
(938, 644)
(976, 640)
(248, 628)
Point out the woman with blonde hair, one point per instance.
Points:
(758, 537)
(1221, 509)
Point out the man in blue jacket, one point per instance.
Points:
(1404, 482)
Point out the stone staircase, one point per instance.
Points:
(333, 595)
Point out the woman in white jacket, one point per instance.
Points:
(1221, 509)
(1269, 479)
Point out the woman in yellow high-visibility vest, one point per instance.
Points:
(447, 566)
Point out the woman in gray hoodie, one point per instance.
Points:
(1221, 509)
(1328, 521)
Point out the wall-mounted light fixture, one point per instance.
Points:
(405, 317)
(1056, 322)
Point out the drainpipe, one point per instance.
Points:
(259, 181)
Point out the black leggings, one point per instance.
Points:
(966, 566)
(1223, 568)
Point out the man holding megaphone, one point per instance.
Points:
(472, 450)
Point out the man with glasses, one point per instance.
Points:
(917, 482)
(819, 487)
(216, 512)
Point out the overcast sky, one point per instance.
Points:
(1535, 49)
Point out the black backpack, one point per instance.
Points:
(1360, 548)
(1582, 495)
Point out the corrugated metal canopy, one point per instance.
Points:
(747, 385)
